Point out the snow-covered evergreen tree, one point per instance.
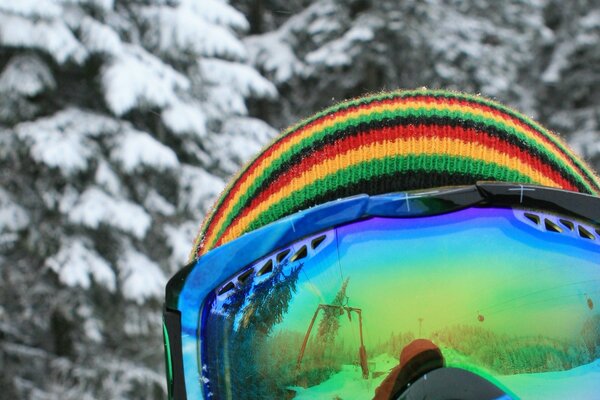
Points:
(540, 56)
(345, 49)
(570, 96)
(119, 121)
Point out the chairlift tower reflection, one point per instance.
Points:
(348, 310)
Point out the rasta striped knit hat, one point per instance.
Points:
(391, 142)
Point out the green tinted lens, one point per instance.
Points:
(499, 292)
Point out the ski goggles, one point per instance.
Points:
(504, 279)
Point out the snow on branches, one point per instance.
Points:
(114, 123)
(77, 264)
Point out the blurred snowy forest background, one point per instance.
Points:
(121, 120)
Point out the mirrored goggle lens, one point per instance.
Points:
(507, 294)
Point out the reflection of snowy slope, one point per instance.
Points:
(348, 383)
(576, 383)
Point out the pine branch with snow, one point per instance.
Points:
(114, 123)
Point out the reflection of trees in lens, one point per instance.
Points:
(277, 358)
(590, 334)
(330, 323)
(394, 344)
(252, 312)
(236, 299)
(269, 300)
(214, 343)
(317, 367)
(505, 354)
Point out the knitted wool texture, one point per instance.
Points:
(391, 142)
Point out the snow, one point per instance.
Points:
(586, 142)
(359, 33)
(107, 178)
(286, 52)
(327, 11)
(184, 118)
(99, 38)
(85, 187)
(198, 189)
(176, 30)
(31, 8)
(576, 383)
(66, 150)
(67, 199)
(217, 12)
(76, 264)
(76, 121)
(93, 329)
(323, 26)
(141, 278)
(136, 78)
(241, 139)
(489, 60)
(26, 75)
(138, 325)
(565, 51)
(63, 139)
(158, 204)
(101, 4)
(332, 55)
(591, 20)
(348, 383)
(7, 240)
(135, 150)
(52, 37)
(245, 79)
(257, 130)
(272, 53)
(343, 50)
(180, 239)
(226, 100)
(559, 61)
(95, 207)
(13, 217)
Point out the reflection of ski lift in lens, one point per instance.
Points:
(590, 303)
(341, 309)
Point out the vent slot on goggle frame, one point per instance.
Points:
(551, 223)
(261, 269)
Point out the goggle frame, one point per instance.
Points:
(186, 291)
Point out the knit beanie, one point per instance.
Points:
(391, 142)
